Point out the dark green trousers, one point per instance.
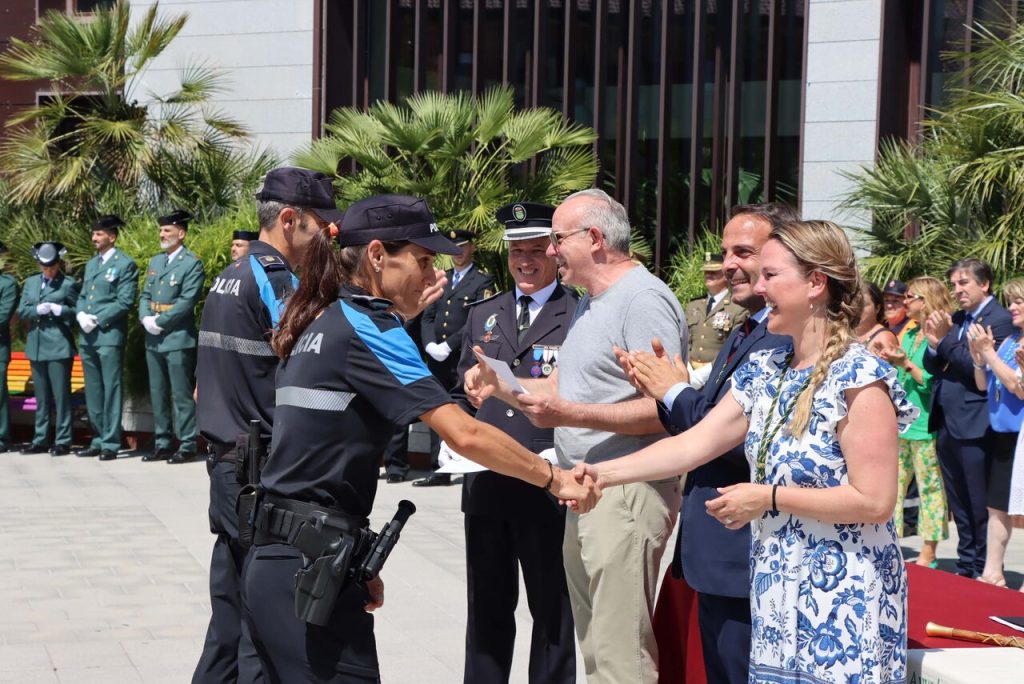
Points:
(171, 373)
(5, 418)
(103, 368)
(52, 381)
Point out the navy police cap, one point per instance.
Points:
(108, 222)
(249, 235)
(525, 220)
(460, 237)
(393, 218)
(48, 253)
(178, 217)
(302, 188)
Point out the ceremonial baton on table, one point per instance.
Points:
(933, 629)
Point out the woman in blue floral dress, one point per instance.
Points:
(820, 423)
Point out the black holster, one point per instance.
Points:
(246, 505)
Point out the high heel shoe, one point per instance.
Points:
(1001, 582)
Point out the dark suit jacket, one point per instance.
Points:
(444, 320)
(487, 492)
(956, 400)
(714, 560)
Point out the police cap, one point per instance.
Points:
(108, 223)
(461, 237)
(712, 262)
(525, 220)
(895, 287)
(393, 218)
(301, 188)
(249, 235)
(48, 253)
(178, 217)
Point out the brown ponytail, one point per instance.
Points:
(318, 287)
(822, 246)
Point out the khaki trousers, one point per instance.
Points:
(612, 559)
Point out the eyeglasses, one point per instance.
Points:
(557, 239)
(912, 297)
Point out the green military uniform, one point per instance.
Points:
(8, 302)
(170, 292)
(708, 330)
(50, 348)
(108, 293)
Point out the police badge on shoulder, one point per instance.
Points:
(545, 360)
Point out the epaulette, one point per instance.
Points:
(485, 299)
(371, 303)
(271, 262)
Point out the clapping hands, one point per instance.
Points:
(937, 326)
(655, 373)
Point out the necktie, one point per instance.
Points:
(523, 321)
(711, 305)
(968, 319)
(456, 277)
(748, 325)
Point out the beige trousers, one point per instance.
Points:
(612, 558)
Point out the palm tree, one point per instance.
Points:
(960, 191)
(92, 138)
(467, 156)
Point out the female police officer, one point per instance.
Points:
(349, 375)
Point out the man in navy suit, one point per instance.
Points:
(714, 560)
(959, 411)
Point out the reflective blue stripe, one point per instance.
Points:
(394, 348)
(274, 305)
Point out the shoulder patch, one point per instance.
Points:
(486, 298)
(271, 262)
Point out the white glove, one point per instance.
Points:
(43, 309)
(87, 322)
(149, 323)
(438, 352)
(56, 309)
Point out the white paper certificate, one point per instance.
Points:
(503, 372)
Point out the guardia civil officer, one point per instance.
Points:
(174, 282)
(349, 376)
(441, 328)
(710, 319)
(108, 296)
(8, 302)
(509, 523)
(47, 307)
(240, 240)
(235, 384)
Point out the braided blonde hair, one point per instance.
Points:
(822, 246)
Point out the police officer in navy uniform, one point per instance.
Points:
(508, 522)
(441, 328)
(240, 240)
(235, 378)
(349, 376)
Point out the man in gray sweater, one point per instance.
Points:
(612, 554)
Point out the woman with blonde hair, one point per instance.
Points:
(917, 445)
(819, 422)
(998, 371)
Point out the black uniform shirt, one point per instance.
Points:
(353, 376)
(235, 364)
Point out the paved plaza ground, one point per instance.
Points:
(103, 575)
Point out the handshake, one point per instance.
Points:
(579, 488)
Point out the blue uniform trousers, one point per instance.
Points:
(725, 637)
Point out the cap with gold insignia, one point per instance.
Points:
(461, 237)
(48, 253)
(178, 217)
(712, 262)
(525, 220)
(108, 223)
(249, 235)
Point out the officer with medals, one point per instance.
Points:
(441, 327)
(710, 320)
(174, 282)
(240, 240)
(235, 369)
(108, 296)
(349, 376)
(8, 303)
(47, 307)
(510, 524)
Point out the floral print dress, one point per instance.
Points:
(828, 601)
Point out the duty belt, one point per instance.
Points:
(160, 308)
(279, 520)
(225, 452)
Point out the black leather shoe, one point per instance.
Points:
(35, 449)
(181, 457)
(158, 455)
(60, 450)
(87, 452)
(107, 455)
(394, 478)
(434, 480)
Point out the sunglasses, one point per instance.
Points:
(557, 239)
(912, 297)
